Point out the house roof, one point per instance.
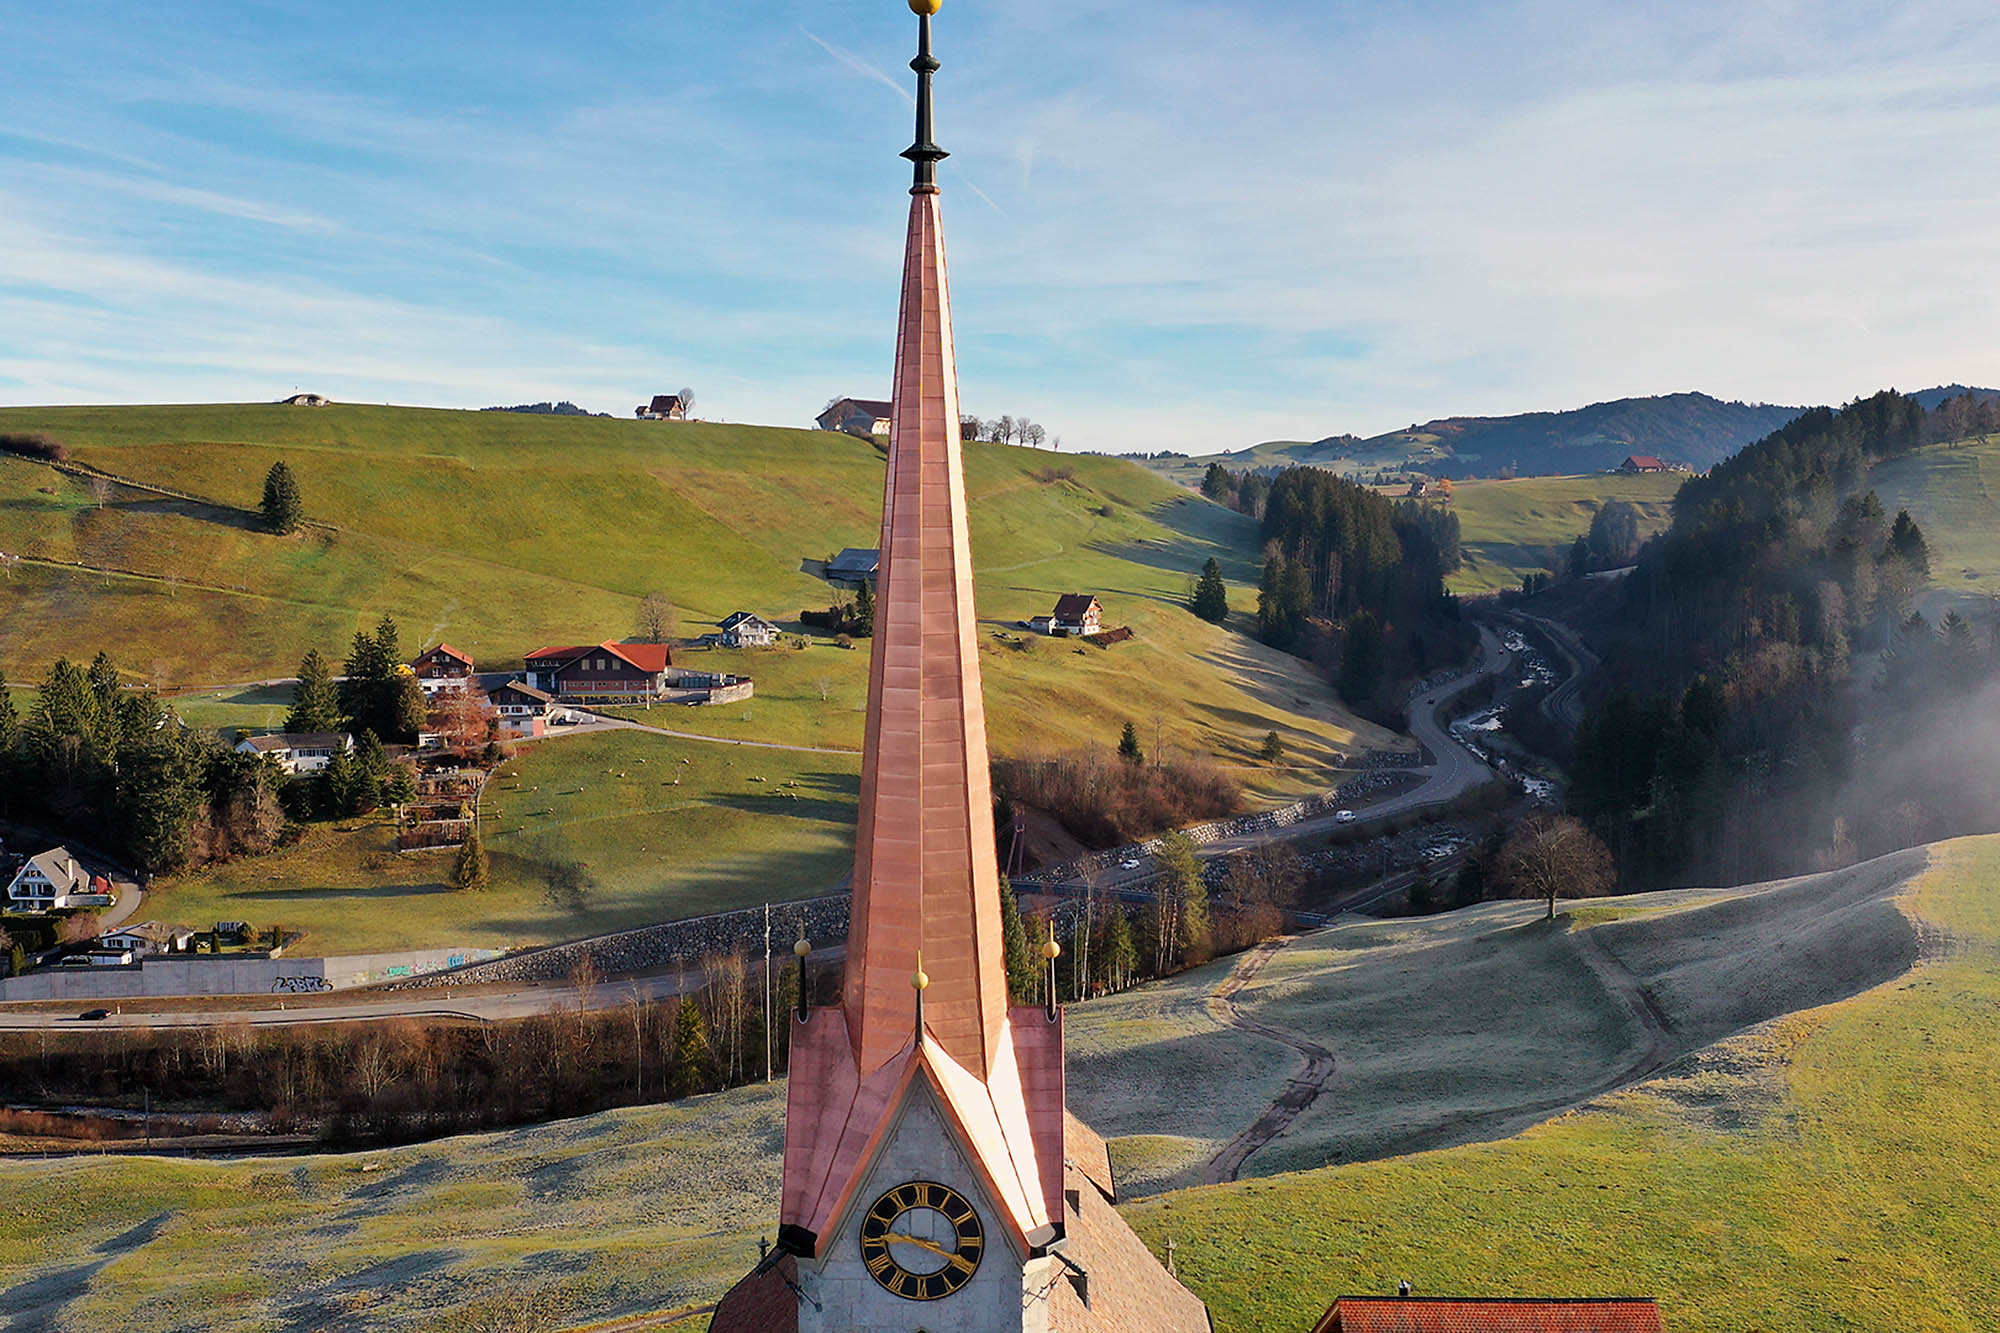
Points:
(880, 407)
(1074, 605)
(525, 690)
(665, 402)
(1646, 460)
(857, 559)
(57, 866)
(159, 932)
(445, 650)
(1453, 1314)
(746, 618)
(299, 740)
(648, 657)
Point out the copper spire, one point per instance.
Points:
(925, 872)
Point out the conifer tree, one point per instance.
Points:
(10, 721)
(1273, 749)
(315, 701)
(1021, 970)
(283, 508)
(694, 1054)
(1211, 596)
(471, 872)
(1128, 745)
(1116, 955)
(864, 610)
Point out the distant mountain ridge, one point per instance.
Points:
(1696, 429)
(1691, 428)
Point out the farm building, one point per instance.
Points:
(746, 630)
(664, 407)
(443, 668)
(1076, 614)
(856, 416)
(306, 400)
(1638, 464)
(299, 752)
(44, 883)
(609, 670)
(524, 710)
(853, 567)
(1450, 1314)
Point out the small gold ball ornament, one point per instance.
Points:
(1052, 950)
(920, 980)
(926, 6)
(802, 948)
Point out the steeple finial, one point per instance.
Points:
(924, 152)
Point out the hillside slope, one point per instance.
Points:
(500, 531)
(1538, 1016)
(1511, 528)
(1829, 1170)
(1953, 492)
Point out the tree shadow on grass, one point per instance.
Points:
(39, 1302)
(1200, 531)
(331, 891)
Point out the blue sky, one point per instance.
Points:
(1172, 225)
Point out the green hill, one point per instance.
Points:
(502, 531)
(1953, 492)
(1511, 528)
(1829, 1169)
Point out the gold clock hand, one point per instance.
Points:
(958, 1260)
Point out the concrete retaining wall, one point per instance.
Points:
(223, 974)
(651, 948)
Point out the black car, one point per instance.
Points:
(93, 1015)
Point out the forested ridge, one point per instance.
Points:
(1780, 704)
(1351, 580)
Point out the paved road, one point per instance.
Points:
(1453, 771)
(1564, 703)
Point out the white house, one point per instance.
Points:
(524, 710)
(1076, 614)
(744, 630)
(52, 880)
(148, 937)
(299, 752)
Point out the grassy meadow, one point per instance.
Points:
(1511, 528)
(1953, 492)
(1472, 1024)
(1829, 1170)
(663, 826)
(500, 532)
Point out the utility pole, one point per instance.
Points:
(768, 992)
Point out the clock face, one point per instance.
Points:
(922, 1241)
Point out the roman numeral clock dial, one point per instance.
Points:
(922, 1241)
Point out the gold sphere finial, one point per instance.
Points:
(926, 7)
(1052, 950)
(920, 980)
(802, 948)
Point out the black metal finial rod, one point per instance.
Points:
(924, 152)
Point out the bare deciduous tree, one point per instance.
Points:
(658, 619)
(687, 403)
(1552, 856)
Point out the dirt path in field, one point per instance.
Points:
(1657, 1044)
(1301, 1091)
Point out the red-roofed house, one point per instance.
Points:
(1637, 463)
(611, 671)
(1451, 1314)
(442, 668)
(1076, 613)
